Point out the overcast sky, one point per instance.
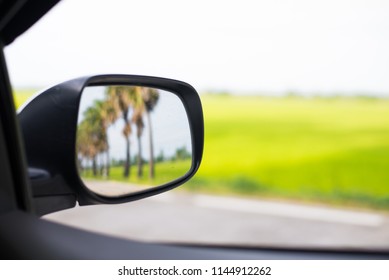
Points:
(274, 45)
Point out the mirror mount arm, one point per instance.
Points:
(48, 123)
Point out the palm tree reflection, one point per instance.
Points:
(130, 107)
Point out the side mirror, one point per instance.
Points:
(110, 139)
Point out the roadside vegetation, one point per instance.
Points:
(320, 149)
(164, 170)
(22, 95)
(132, 105)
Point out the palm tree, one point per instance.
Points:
(150, 98)
(137, 119)
(108, 114)
(91, 137)
(121, 98)
(83, 146)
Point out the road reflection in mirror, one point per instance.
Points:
(130, 138)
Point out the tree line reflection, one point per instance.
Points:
(132, 105)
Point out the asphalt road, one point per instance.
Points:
(180, 217)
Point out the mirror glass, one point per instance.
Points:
(130, 138)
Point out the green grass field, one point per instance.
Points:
(22, 95)
(322, 149)
(164, 172)
(330, 150)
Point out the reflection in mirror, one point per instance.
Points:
(130, 138)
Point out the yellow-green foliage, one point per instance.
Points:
(325, 149)
(164, 172)
(22, 95)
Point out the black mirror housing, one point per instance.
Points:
(49, 124)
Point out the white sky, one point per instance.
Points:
(242, 45)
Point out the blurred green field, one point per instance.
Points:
(318, 149)
(164, 172)
(22, 95)
(330, 150)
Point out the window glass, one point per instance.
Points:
(296, 106)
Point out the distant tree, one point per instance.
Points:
(91, 135)
(109, 114)
(160, 157)
(182, 154)
(150, 98)
(85, 150)
(137, 119)
(121, 98)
